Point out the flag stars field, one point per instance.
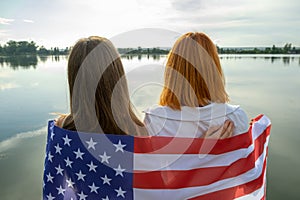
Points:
(72, 161)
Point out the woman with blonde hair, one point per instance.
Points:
(194, 97)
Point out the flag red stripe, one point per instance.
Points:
(175, 179)
(173, 145)
(237, 191)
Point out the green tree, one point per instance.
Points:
(55, 51)
(274, 49)
(66, 51)
(22, 47)
(31, 47)
(19, 48)
(140, 49)
(43, 51)
(287, 47)
(11, 47)
(268, 50)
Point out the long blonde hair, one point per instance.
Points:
(108, 115)
(193, 74)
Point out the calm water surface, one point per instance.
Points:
(31, 88)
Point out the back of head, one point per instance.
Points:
(193, 75)
(99, 97)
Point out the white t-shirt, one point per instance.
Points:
(193, 121)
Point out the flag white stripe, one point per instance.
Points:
(190, 192)
(151, 162)
(260, 126)
(161, 162)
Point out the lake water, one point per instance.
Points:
(31, 88)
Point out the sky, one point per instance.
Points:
(150, 23)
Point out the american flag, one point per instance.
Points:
(87, 166)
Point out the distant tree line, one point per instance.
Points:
(286, 49)
(13, 48)
(140, 50)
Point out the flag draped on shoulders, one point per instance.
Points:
(87, 166)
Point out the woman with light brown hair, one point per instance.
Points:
(99, 97)
(193, 98)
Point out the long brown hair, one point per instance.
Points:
(109, 115)
(193, 74)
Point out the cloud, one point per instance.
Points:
(209, 15)
(238, 23)
(4, 75)
(8, 86)
(3, 32)
(28, 21)
(146, 37)
(20, 137)
(201, 5)
(234, 22)
(188, 5)
(5, 21)
(35, 84)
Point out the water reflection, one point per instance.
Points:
(274, 58)
(43, 59)
(27, 62)
(55, 58)
(142, 56)
(287, 60)
(15, 62)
